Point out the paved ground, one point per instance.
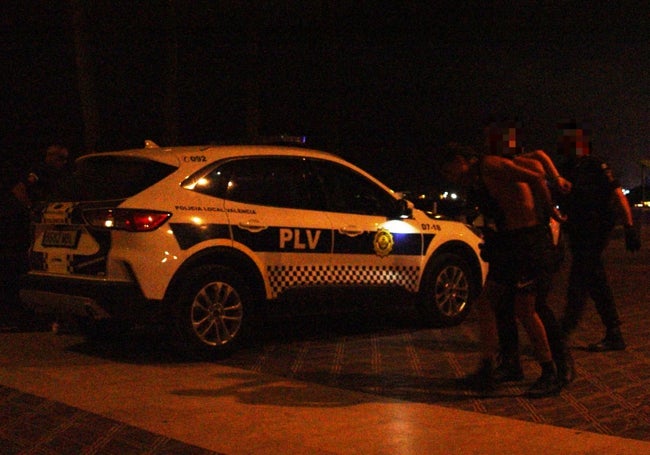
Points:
(611, 394)
(31, 424)
(377, 351)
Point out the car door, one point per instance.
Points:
(276, 219)
(373, 244)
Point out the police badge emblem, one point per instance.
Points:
(383, 242)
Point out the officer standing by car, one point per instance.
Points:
(592, 207)
(49, 177)
(46, 180)
(14, 241)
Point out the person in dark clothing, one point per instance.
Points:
(48, 178)
(593, 206)
(14, 243)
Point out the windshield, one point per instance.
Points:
(112, 177)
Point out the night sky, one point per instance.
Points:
(383, 86)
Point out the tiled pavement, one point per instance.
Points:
(34, 425)
(611, 394)
(391, 356)
(385, 352)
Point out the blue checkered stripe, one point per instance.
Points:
(283, 277)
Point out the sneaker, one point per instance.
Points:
(607, 344)
(545, 386)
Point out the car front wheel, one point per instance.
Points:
(211, 313)
(446, 293)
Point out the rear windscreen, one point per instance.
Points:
(112, 177)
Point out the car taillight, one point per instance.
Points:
(132, 220)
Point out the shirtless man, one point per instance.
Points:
(502, 140)
(509, 368)
(516, 254)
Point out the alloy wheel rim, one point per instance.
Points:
(452, 291)
(216, 314)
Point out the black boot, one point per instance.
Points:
(565, 367)
(613, 341)
(547, 384)
(482, 380)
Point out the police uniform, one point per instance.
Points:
(591, 218)
(14, 242)
(45, 183)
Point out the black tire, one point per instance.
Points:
(212, 311)
(446, 293)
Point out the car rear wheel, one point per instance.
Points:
(446, 294)
(211, 312)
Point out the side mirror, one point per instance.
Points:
(403, 209)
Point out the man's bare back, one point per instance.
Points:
(519, 186)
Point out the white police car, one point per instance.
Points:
(201, 236)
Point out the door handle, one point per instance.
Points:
(252, 225)
(351, 231)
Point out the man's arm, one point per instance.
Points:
(562, 184)
(632, 235)
(509, 170)
(535, 165)
(623, 207)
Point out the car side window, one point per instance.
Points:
(271, 181)
(347, 191)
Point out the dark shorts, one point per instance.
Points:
(520, 258)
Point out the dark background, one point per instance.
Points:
(384, 84)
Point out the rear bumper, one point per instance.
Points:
(87, 298)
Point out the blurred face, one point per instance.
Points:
(574, 143)
(509, 137)
(502, 140)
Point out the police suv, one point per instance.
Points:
(201, 237)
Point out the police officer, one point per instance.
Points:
(592, 207)
(48, 178)
(14, 241)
